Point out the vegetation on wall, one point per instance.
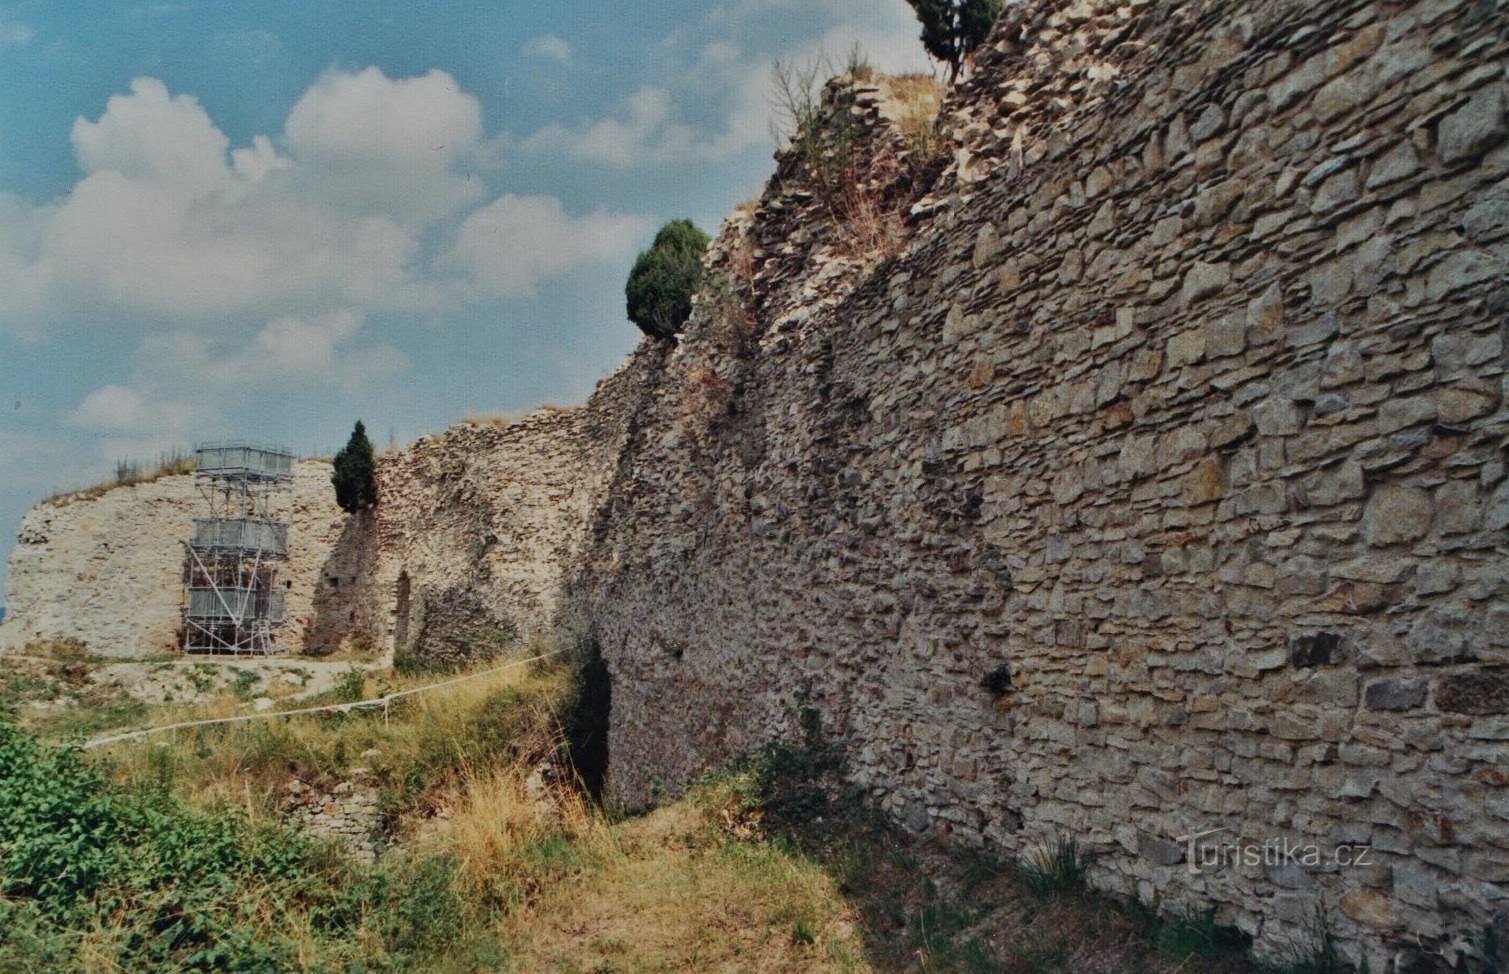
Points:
(355, 473)
(952, 29)
(664, 278)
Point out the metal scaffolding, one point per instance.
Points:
(233, 602)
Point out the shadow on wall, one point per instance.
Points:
(342, 611)
(452, 627)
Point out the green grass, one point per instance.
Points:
(1058, 868)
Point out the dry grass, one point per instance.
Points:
(671, 892)
(129, 473)
(507, 418)
(426, 744)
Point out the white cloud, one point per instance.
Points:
(549, 47)
(122, 409)
(509, 246)
(641, 132)
(668, 123)
(346, 209)
(151, 136)
(395, 146)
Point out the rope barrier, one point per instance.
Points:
(382, 701)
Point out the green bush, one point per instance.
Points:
(355, 473)
(664, 278)
(77, 853)
(951, 29)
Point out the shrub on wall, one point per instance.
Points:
(355, 473)
(664, 278)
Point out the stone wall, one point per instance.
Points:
(1180, 412)
(108, 568)
(476, 528)
(1137, 469)
(472, 534)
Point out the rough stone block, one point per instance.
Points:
(1475, 127)
(1480, 693)
(1394, 695)
(1396, 514)
(1204, 280)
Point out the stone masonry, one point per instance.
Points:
(1136, 469)
(108, 570)
(1156, 484)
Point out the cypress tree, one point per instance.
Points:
(355, 473)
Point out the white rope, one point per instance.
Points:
(382, 701)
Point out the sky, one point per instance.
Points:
(264, 220)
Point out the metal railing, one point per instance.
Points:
(243, 460)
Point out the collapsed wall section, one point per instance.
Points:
(107, 568)
(1157, 486)
(467, 547)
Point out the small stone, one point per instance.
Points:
(1344, 483)
(1211, 121)
(1330, 403)
(1374, 569)
(1394, 695)
(1265, 316)
(1442, 634)
(1369, 907)
(1487, 220)
(1162, 852)
(1462, 405)
(1479, 694)
(1316, 329)
(1395, 514)
(1400, 161)
(1185, 348)
(1204, 280)
(1473, 128)
(987, 245)
(1278, 417)
(1397, 413)
(1225, 336)
(1456, 507)
(1288, 875)
(1336, 191)
(1496, 517)
(1416, 884)
(1461, 269)
(1315, 649)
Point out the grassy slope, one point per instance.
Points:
(494, 863)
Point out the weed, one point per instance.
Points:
(1197, 934)
(350, 686)
(1314, 953)
(245, 684)
(1054, 870)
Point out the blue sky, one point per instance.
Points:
(266, 219)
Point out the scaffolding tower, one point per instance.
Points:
(233, 602)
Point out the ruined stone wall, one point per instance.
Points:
(475, 531)
(1141, 472)
(476, 525)
(108, 569)
(1180, 412)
